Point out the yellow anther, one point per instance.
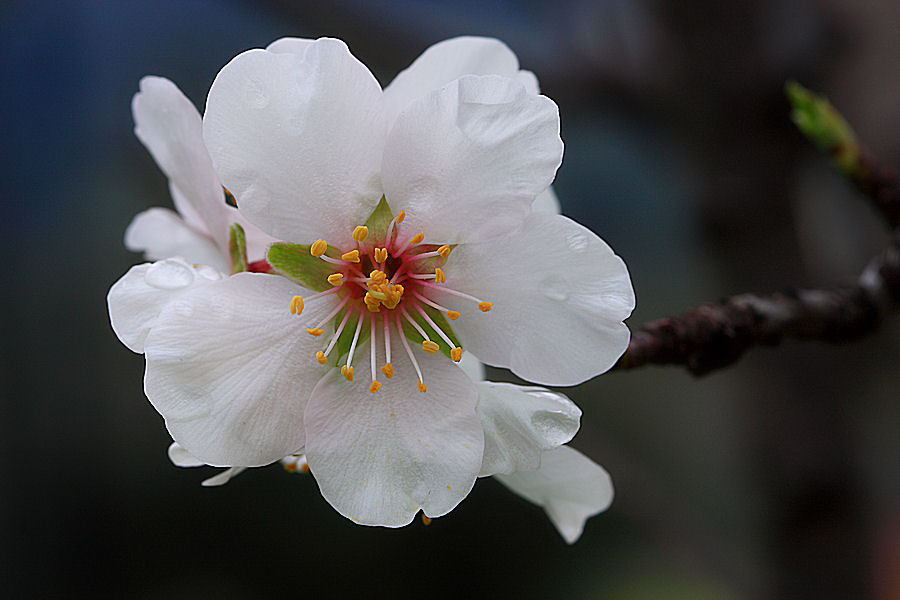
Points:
(400, 216)
(417, 239)
(335, 279)
(421, 386)
(456, 354)
(360, 233)
(291, 467)
(376, 277)
(452, 315)
(426, 520)
(318, 248)
(394, 295)
(296, 305)
(374, 387)
(430, 347)
(372, 303)
(304, 468)
(347, 372)
(444, 251)
(352, 256)
(388, 370)
(485, 306)
(314, 332)
(439, 276)
(321, 358)
(381, 254)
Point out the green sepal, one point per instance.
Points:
(379, 221)
(296, 263)
(438, 317)
(342, 347)
(237, 248)
(821, 123)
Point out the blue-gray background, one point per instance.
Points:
(774, 479)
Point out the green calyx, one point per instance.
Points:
(237, 248)
(821, 123)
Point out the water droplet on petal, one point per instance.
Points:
(169, 275)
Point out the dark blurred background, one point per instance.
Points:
(777, 478)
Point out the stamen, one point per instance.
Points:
(334, 311)
(400, 216)
(420, 385)
(352, 256)
(414, 324)
(296, 305)
(337, 334)
(381, 255)
(320, 358)
(376, 277)
(439, 276)
(387, 369)
(314, 331)
(485, 306)
(460, 294)
(444, 251)
(456, 354)
(451, 314)
(422, 275)
(360, 233)
(389, 240)
(375, 384)
(318, 248)
(430, 347)
(417, 239)
(426, 520)
(333, 261)
(434, 326)
(335, 279)
(359, 322)
(347, 372)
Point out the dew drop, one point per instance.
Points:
(169, 275)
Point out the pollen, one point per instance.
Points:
(388, 370)
(318, 248)
(352, 256)
(314, 332)
(400, 216)
(439, 276)
(430, 347)
(420, 385)
(417, 239)
(347, 372)
(374, 387)
(452, 315)
(321, 358)
(360, 233)
(456, 354)
(485, 306)
(296, 305)
(444, 251)
(381, 254)
(335, 279)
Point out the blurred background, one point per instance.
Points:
(776, 478)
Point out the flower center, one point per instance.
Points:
(386, 281)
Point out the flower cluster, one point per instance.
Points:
(381, 240)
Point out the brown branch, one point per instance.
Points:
(713, 336)
(880, 184)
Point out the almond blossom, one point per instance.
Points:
(410, 240)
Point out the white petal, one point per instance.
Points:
(169, 126)
(546, 202)
(181, 457)
(571, 488)
(138, 297)
(442, 63)
(379, 458)
(521, 422)
(290, 45)
(529, 80)
(560, 295)
(160, 233)
(466, 162)
(230, 369)
(298, 140)
(472, 367)
(223, 477)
